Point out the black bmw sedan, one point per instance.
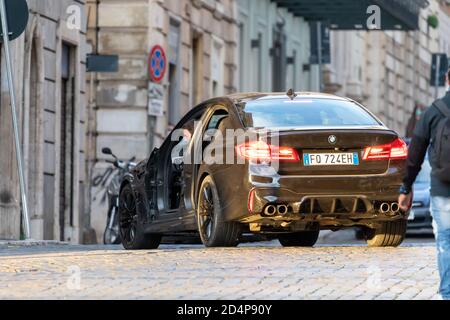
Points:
(283, 165)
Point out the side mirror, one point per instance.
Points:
(107, 151)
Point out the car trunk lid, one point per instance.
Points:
(333, 141)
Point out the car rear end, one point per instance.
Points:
(326, 162)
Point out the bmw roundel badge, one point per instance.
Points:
(332, 139)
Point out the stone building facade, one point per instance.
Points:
(199, 39)
(273, 48)
(49, 68)
(444, 34)
(388, 71)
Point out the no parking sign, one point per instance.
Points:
(157, 63)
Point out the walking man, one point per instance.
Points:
(433, 133)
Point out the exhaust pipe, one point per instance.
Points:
(270, 210)
(282, 209)
(395, 208)
(385, 208)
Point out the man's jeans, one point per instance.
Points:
(440, 208)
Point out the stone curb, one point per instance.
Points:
(31, 243)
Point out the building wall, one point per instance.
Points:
(258, 22)
(444, 33)
(344, 76)
(207, 25)
(388, 71)
(37, 60)
(199, 40)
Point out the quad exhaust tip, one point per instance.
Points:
(395, 208)
(282, 209)
(272, 210)
(387, 208)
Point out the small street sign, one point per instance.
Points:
(157, 63)
(17, 17)
(102, 63)
(439, 68)
(155, 100)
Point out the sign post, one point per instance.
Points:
(7, 36)
(439, 68)
(319, 53)
(320, 48)
(157, 66)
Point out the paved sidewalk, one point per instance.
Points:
(253, 271)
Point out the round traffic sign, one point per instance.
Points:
(158, 63)
(17, 16)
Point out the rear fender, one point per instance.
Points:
(232, 191)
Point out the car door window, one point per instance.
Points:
(213, 125)
(215, 120)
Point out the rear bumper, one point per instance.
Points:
(348, 199)
(309, 202)
(382, 186)
(297, 190)
(348, 206)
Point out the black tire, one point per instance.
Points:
(214, 232)
(112, 237)
(299, 239)
(131, 231)
(389, 234)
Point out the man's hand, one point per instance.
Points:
(405, 201)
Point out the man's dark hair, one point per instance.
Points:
(448, 75)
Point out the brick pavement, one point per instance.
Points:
(253, 271)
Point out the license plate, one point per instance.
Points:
(331, 159)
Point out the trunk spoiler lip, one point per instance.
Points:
(283, 130)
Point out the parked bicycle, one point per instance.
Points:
(110, 181)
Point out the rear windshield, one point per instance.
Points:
(280, 113)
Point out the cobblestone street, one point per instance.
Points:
(252, 271)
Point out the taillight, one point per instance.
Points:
(261, 151)
(397, 150)
(251, 201)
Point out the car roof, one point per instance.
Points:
(254, 96)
